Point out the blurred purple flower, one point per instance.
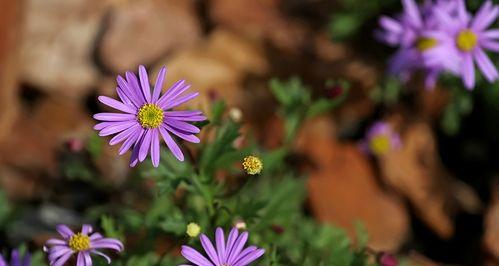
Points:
(380, 139)
(146, 116)
(418, 50)
(16, 260)
(230, 253)
(83, 244)
(468, 37)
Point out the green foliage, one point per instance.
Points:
(296, 104)
(388, 93)
(460, 105)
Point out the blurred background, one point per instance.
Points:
(436, 199)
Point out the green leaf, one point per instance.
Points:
(94, 145)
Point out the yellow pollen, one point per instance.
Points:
(79, 242)
(424, 43)
(252, 165)
(193, 230)
(466, 40)
(380, 144)
(150, 116)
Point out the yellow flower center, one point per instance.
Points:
(193, 229)
(252, 165)
(150, 116)
(79, 242)
(424, 43)
(466, 40)
(380, 144)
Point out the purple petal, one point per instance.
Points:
(114, 117)
(172, 92)
(412, 11)
(95, 236)
(181, 134)
(485, 16)
(128, 91)
(125, 134)
(145, 145)
(64, 231)
(194, 118)
(390, 24)
(103, 125)
(108, 243)
(130, 141)
(54, 241)
(181, 125)
(86, 229)
(238, 246)
(117, 127)
(468, 71)
(124, 98)
(182, 113)
(155, 147)
(57, 251)
(144, 82)
(247, 259)
(133, 83)
(81, 260)
(116, 104)
(15, 258)
(134, 159)
(231, 240)
(158, 85)
(181, 100)
(63, 259)
(220, 242)
(491, 34)
(490, 45)
(485, 65)
(102, 255)
(210, 250)
(171, 144)
(195, 257)
(88, 259)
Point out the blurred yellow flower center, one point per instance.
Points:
(424, 43)
(380, 144)
(79, 242)
(466, 40)
(252, 165)
(193, 229)
(150, 116)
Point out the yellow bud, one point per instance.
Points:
(193, 230)
(252, 165)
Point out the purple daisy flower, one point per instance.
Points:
(418, 50)
(230, 253)
(83, 243)
(468, 38)
(380, 139)
(16, 259)
(145, 117)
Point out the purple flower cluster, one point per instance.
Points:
(442, 35)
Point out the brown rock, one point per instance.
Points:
(219, 65)
(10, 22)
(343, 188)
(37, 135)
(415, 171)
(259, 18)
(491, 237)
(140, 32)
(59, 38)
